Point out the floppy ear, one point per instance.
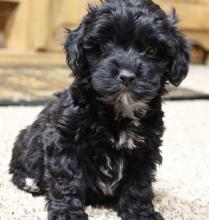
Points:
(74, 51)
(179, 65)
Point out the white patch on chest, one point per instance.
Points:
(128, 139)
(113, 173)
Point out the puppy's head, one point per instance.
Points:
(128, 47)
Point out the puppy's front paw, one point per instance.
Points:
(150, 216)
(144, 216)
(67, 216)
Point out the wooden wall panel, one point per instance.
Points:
(17, 30)
(193, 14)
(65, 14)
(39, 24)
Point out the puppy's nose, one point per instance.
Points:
(126, 77)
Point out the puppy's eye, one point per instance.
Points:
(151, 51)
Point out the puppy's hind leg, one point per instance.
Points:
(26, 165)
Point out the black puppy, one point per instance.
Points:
(98, 141)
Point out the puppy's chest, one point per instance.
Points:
(124, 136)
(106, 147)
(128, 138)
(110, 155)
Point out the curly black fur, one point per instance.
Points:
(98, 141)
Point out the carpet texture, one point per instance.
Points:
(182, 189)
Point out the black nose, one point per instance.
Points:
(126, 77)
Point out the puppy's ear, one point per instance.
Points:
(74, 50)
(179, 64)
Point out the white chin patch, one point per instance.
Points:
(31, 185)
(125, 105)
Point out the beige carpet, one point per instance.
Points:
(182, 190)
